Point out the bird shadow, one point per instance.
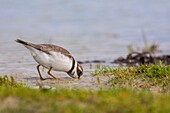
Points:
(37, 78)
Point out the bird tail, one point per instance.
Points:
(22, 42)
(28, 45)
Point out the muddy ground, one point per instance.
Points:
(63, 81)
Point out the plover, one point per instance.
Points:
(53, 57)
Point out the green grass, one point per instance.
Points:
(7, 82)
(25, 100)
(154, 78)
(121, 98)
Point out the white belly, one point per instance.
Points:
(57, 61)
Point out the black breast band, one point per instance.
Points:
(73, 64)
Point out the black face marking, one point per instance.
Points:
(73, 64)
(79, 70)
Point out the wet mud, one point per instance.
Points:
(136, 58)
(62, 81)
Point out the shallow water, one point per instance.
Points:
(88, 29)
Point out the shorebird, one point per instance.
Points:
(53, 57)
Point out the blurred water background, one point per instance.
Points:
(89, 29)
